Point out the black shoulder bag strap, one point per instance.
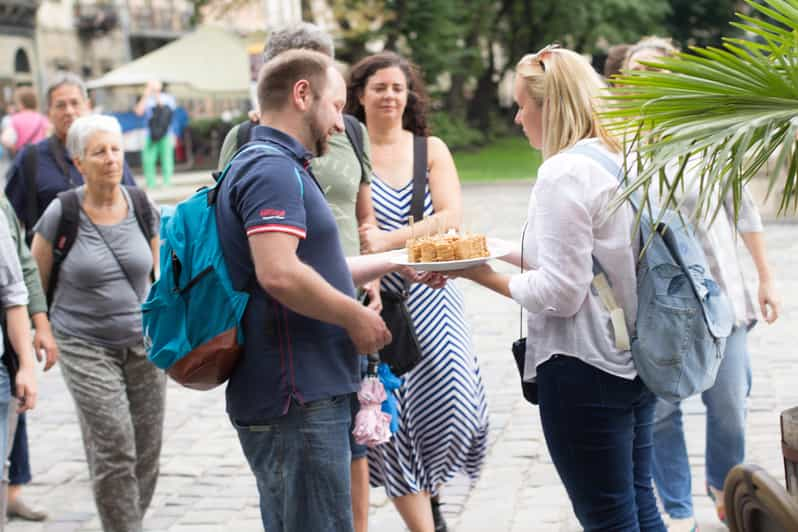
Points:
(143, 211)
(113, 253)
(419, 177)
(65, 236)
(355, 135)
(30, 170)
(244, 133)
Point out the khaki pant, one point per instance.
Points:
(120, 398)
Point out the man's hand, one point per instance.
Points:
(367, 331)
(26, 388)
(432, 279)
(371, 239)
(476, 273)
(44, 341)
(769, 303)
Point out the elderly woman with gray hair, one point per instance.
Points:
(96, 294)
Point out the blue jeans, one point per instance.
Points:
(5, 399)
(726, 410)
(301, 465)
(598, 430)
(19, 469)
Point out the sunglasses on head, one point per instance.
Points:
(536, 63)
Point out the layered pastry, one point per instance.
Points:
(446, 247)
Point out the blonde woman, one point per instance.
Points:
(597, 414)
(726, 399)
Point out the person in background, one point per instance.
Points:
(14, 299)
(158, 107)
(726, 400)
(26, 126)
(347, 188)
(616, 57)
(44, 345)
(387, 92)
(96, 318)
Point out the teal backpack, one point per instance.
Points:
(192, 315)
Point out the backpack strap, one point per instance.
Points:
(244, 133)
(65, 235)
(601, 281)
(30, 169)
(419, 177)
(354, 132)
(143, 211)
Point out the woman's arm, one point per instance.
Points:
(42, 251)
(155, 245)
(444, 185)
(18, 328)
(769, 301)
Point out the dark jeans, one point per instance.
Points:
(599, 432)
(19, 468)
(301, 465)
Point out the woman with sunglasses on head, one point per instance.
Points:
(597, 414)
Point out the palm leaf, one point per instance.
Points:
(723, 113)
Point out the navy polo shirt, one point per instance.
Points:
(56, 173)
(286, 355)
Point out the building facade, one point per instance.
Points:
(18, 54)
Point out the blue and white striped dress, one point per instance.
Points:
(443, 411)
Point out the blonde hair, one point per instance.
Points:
(567, 88)
(662, 45)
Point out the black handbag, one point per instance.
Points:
(528, 388)
(404, 351)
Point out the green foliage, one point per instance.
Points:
(699, 22)
(455, 132)
(721, 112)
(506, 158)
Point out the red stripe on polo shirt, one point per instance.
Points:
(277, 228)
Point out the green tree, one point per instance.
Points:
(699, 22)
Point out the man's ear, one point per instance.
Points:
(302, 95)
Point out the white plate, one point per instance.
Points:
(495, 247)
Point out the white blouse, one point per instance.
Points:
(569, 221)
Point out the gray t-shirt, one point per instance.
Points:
(94, 300)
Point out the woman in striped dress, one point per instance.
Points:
(443, 411)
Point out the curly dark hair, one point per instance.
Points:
(414, 118)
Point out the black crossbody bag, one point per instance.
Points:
(404, 351)
(529, 389)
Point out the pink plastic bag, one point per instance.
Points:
(372, 426)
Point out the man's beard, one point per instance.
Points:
(318, 136)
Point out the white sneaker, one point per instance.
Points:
(688, 524)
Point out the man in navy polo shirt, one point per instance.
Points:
(52, 168)
(289, 396)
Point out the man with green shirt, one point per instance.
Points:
(346, 186)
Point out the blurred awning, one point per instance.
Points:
(209, 61)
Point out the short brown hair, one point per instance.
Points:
(616, 56)
(26, 98)
(279, 75)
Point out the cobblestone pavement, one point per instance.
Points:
(206, 486)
